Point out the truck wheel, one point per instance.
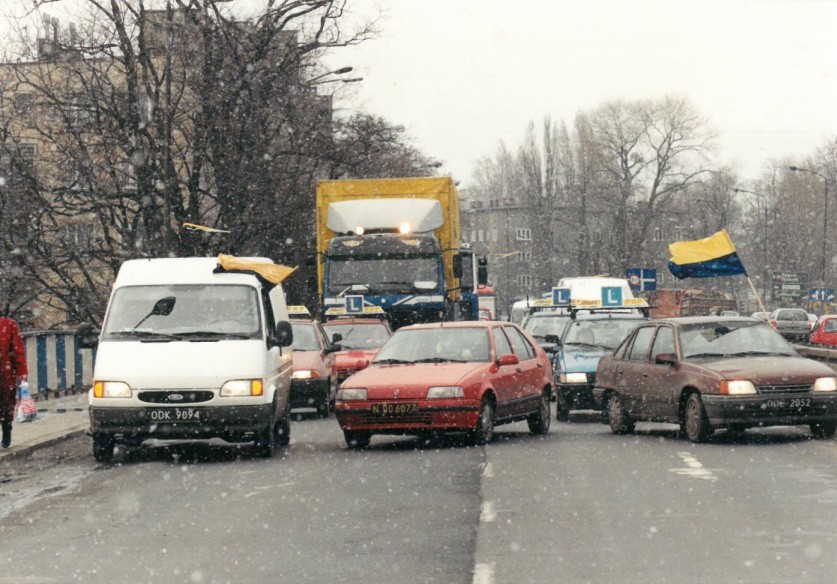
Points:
(357, 440)
(539, 420)
(103, 447)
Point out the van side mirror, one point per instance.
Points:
(86, 337)
(283, 336)
(457, 265)
(482, 271)
(665, 359)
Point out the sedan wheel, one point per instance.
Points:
(618, 417)
(539, 421)
(697, 425)
(823, 429)
(357, 440)
(484, 431)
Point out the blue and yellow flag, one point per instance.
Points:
(704, 258)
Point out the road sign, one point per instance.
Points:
(611, 296)
(354, 304)
(642, 279)
(822, 294)
(790, 287)
(560, 296)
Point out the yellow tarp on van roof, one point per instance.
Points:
(273, 273)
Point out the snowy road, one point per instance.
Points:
(579, 505)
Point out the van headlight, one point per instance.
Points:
(243, 388)
(825, 384)
(111, 389)
(445, 391)
(351, 394)
(572, 378)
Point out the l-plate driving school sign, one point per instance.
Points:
(354, 303)
(642, 279)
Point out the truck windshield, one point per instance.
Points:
(192, 312)
(383, 275)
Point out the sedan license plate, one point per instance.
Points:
(788, 403)
(394, 410)
(172, 415)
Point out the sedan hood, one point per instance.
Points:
(770, 370)
(411, 381)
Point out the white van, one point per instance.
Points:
(590, 287)
(192, 348)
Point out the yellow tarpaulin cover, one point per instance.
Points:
(273, 273)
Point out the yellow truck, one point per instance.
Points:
(395, 245)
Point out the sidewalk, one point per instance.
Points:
(58, 419)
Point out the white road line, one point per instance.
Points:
(483, 574)
(487, 514)
(488, 470)
(694, 468)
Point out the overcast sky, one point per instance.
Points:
(461, 75)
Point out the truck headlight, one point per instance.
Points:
(825, 384)
(243, 388)
(351, 394)
(572, 378)
(738, 387)
(111, 389)
(445, 391)
(306, 374)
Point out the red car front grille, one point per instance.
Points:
(784, 388)
(417, 418)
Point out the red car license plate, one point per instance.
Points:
(788, 403)
(175, 415)
(394, 410)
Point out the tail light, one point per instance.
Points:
(774, 324)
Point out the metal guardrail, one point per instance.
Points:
(57, 366)
(823, 354)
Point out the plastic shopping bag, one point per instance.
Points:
(26, 409)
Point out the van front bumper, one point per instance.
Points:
(231, 423)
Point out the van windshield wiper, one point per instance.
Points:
(214, 335)
(146, 335)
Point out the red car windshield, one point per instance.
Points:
(436, 345)
(730, 339)
(359, 336)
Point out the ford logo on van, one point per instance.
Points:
(175, 397)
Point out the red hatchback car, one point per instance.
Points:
(825, 331)
(360, 339)
(448, 377)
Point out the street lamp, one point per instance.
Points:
(340, 71)
(824, 215)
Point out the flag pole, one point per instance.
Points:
(758, 298)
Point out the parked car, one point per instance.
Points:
(825, 331)
(765, 316)
(448, 377)
(705, 373)
(730, 313)
(587, 338)
(314, 383)
(360, 339)
(791, 323)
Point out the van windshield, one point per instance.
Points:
(187, 311)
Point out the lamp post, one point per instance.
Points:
(764, 274)
(824, 215)
(340, 71)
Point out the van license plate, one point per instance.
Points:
(175, 415)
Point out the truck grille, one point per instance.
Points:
(165, 397)
(784, 388)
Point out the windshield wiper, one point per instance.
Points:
(149, 335)
(391, 362)
(439, 360)
(758, 353)
(212, 334)
(594, 345)
(703, 355)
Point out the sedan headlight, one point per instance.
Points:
(825, 384)
(242, 388)
(572, 378)
(738, 387)
(445, 391)
(306, 374)
(111, 389)
(350, 394)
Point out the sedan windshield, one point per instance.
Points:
(382, 275)
(305, 337)
(187, 312)
(540, 326)
(359, 336)
(436, 345)
(730, 339)
(603, 333)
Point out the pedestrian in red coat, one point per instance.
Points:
(12, 368)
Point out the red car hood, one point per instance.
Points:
(770, 370)
(411, 381)
(354, 358)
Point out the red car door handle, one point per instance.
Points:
(519, 370)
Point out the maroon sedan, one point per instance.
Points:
(714, 372)
(448, 377)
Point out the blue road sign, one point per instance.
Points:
(354, 304)
(560, 296)
(611, 296)
(822, 294)
(642, 279)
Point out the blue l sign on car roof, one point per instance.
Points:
(354, 304)
(611, 297)
(560, 296)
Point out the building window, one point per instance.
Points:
(524, 235)
(480, 235)
(493, 235)
(524, 280)
(658, 234)
(524, 256)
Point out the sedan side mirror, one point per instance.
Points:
(336, 338)
(554, 339)
(334, 348)
(509, 359)
(665, 359)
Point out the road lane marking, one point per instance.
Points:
(488, 470)
(487, 514)
(260, 490)
(694, 468)
(483, 574)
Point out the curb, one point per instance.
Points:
(29, 449)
